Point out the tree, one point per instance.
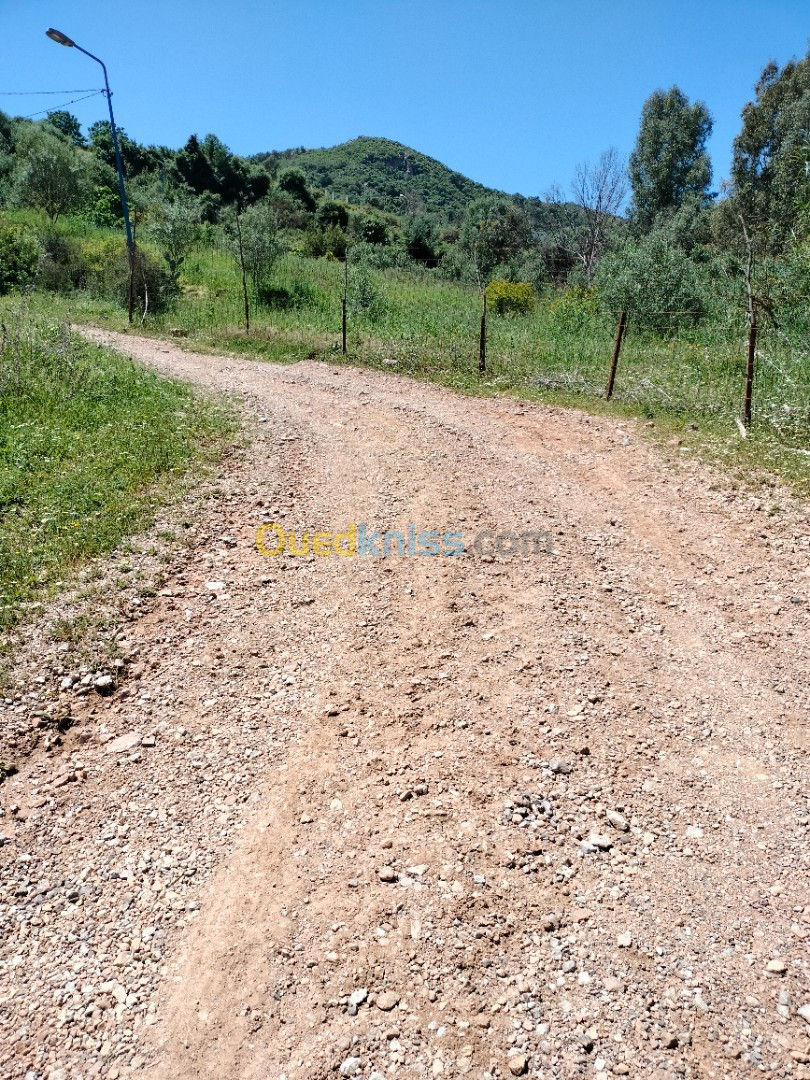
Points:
(421, 240)
(175, 227)
(495, 231)
(194, 167)
(294, 183)
(333, 213)
(769, 165)
(653, 281)
(669, 163)
(261, 246)
(7, 159)
(51, 175)
(583, 226)
(135, 158)
(20, 255)
(210, 169)
(372, 230)
(67, 125)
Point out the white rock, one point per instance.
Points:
(124, 743)
(616, 820)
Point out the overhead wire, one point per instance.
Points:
(43, 112)
(36, 93)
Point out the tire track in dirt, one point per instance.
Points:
(555, 807)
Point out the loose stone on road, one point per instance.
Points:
(481, 816)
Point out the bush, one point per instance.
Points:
(372, 231)
(421, 240)
(319, 242)
(456, 265)
(654, 282)
(789, 287)
(333, 214)
(62, 267)
(365, 296)
(379, 256)
(574, 309)
(510, 297)
(108, 277)
(104, 209)
(19, 258)
(298, 295)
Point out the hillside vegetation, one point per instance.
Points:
(255, 254)
(386, 175)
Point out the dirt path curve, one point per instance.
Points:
(402, 816)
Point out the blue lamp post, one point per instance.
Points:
(63, 39)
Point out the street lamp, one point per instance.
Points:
(63, 39)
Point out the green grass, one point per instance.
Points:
(415, 323)
(90, 443)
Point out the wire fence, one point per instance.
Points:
(416, 323)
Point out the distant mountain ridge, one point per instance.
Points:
(387, 175)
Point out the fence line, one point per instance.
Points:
(323, 307)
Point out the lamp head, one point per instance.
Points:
(59, 37)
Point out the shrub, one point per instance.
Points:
(19, 258)
(365, 296)
(62, 267)
(372, 231)
(654, 282)
(574, 309)
(154, 287)
(788, 283)
(333, 213)
(108, 277)
(298, 295)
(421, 240)
(380, 256)
(456, 265)
(104, 209)
(319, 242)
(510, 297)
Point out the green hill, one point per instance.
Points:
(385, 174)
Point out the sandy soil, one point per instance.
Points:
(455, 816)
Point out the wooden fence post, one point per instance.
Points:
(345, 300)
(752, 330)
(244, 272)
(617, 348)
(482, 341)
(749, 371)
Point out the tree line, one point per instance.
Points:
(650, 236)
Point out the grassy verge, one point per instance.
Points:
(90, 444)
(414, 323)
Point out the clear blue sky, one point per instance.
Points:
(511, 94)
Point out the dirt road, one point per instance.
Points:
(482, 815)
